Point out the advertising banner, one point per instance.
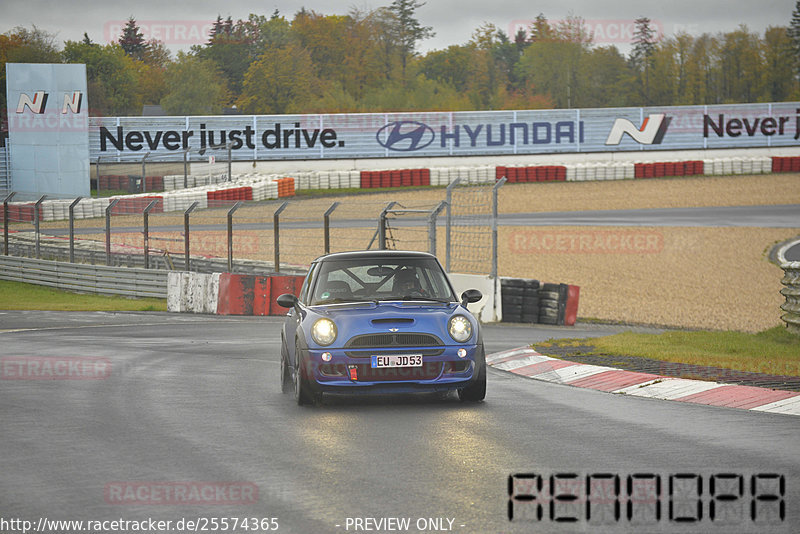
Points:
(48, 122)
(479, 133)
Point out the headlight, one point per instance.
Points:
(324, 332)
(460, 328)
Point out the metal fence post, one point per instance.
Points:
(277, 235)
(72, 228)
(147, 233)
(97, 171)
(230, 173)
(230, 233)
(187, 265)
(36, 218)
(5, 221)
(448, 223)
(382, 226)
(496, 187)
(432, 226)
(185, 169)
(144, 172)
(108, 229)
(326, 224)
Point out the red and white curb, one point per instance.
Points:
(527, 362)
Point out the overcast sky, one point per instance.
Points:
(181, 24)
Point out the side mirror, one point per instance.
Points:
(469, 296)
(287, 300)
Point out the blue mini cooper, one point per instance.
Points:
(380, 322)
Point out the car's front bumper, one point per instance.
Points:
(442, 370)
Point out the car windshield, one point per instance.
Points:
(370, 279)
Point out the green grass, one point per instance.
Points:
(774, 351)
(20, 296)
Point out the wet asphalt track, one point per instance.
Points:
(197, 399)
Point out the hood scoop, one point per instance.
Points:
(390, 320)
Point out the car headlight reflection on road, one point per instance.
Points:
(460, 328)
(324, 332)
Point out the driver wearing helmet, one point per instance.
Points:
(406, 283)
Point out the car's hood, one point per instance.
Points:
(383, 317)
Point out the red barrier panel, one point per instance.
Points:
(571, 311)
(425, 177)
(669, 168)
(561, 173)
(241, 294)
(638, 170)
(279, 285)
(262, 286)
(405, 177)
(500, 172)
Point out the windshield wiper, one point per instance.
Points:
(344, 301)
(426, 299)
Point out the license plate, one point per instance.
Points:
(397, 360)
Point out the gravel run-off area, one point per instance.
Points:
(695, 277)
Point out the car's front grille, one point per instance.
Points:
(367, 353)
(390, 340)
(428, 371)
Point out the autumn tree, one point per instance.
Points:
(194, 86)
(111, 77)
(280, 81)
(641, 58)
(132, 40)
(408, 30)
(23, 45)
(779, 64)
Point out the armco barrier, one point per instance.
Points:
(85, 278)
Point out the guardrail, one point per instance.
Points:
(85, 278)
(791, 280)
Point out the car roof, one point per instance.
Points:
(377, 254)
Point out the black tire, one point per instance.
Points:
(511, 290)
(512, 309)
(550, 295)
(548, 304)
(514, 300)
(530, 318)
(531, 293)
(548, 312)
(548, 320)
(550, 287)
(302, 391)
(532, 285)
(286, 372)
(476, 391)
(512, 282)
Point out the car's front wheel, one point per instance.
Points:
(476, 391)
(302, 391)
(286, 371)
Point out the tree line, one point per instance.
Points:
(368, 61)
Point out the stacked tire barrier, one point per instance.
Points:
(229, 294)
(791, 292)
(530, 301)
(214, 190)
